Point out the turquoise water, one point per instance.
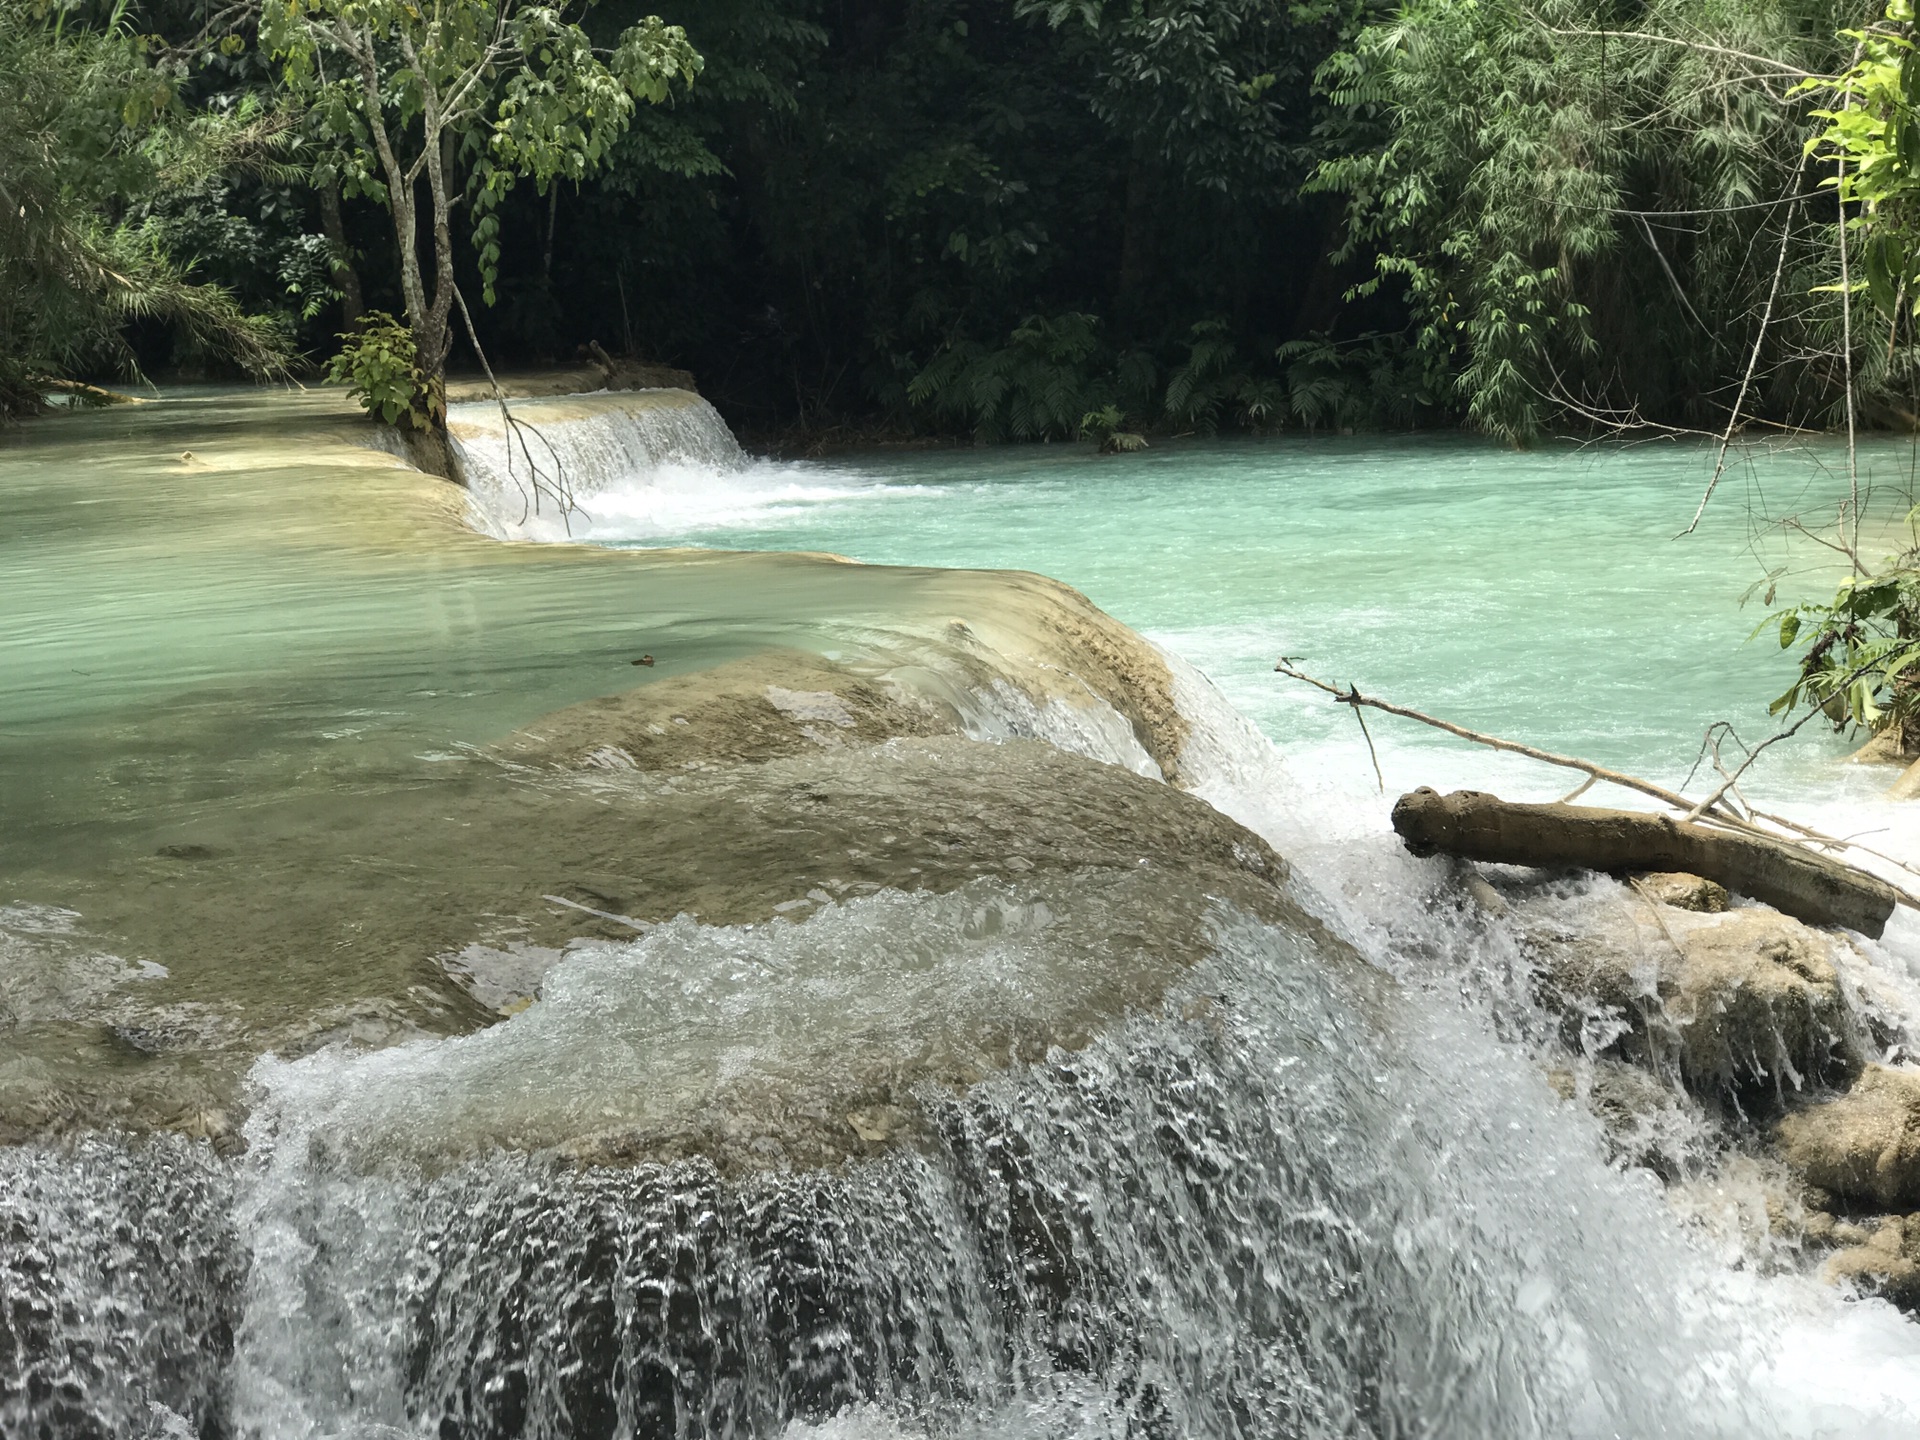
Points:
(1538, 595)
(250, 672)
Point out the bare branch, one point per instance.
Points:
(1702, 46)
(1753, 359)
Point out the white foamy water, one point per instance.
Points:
(1823, 1365)
(1283, 1203)
(628, 467)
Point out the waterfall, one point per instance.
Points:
(1246, 1214)
(545, 474)
(1282, 1201)
(1304, 1173)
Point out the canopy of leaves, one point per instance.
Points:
(91, 127)
(1578, 202)
(996, 217)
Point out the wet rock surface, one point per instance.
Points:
(1682, 891)
(764, 792)
(1744, 1006)
(1864, 1145)
(1882, 1258)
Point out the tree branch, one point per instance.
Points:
(1753, 359)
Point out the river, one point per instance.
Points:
(329, 1010)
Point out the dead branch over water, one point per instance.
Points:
(1725, 810)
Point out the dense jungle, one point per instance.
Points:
(1130, 718)
(998, 219)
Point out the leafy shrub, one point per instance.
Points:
(1860, 651)
(381, 365)
(1050, 373)
(1371, 382)
(1106, 427)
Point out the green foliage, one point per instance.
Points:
(1507, 167)
(996, 220)
(1209, 386)
(1209, 88)
(1107, 428)
(92, 129)
(1037, 386)
(1859, 650)
(1372, 382)
(381, 364)
(1873, 137)
(468, 96)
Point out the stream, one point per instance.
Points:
(460, 983)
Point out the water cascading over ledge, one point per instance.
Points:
(540, 475)
(843, 1030)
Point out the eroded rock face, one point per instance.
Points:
(1865, 1145)
(755, 818)
(1744, 1006)
(771, 705)
(1886, 1262)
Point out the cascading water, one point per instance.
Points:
(547, 473)
(1314, 1183)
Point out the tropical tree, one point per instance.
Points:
(91, 125)
(462, 98)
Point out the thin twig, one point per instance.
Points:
(1753, 359)
(1372, 754)
(1579, 790)
(1752, 755)
(1679, 291)
(1699, 45)
(562, 493)
(1568, 762)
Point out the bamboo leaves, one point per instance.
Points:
(1872, 133)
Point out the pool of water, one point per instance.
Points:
(255, 781)
(1540, 595)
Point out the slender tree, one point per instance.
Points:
(461, 99)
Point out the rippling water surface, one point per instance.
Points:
(1540, 595)
(1321, 1187)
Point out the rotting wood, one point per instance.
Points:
(1808, 886)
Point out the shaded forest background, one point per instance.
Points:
(989, 218)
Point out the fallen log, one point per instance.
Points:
(1808, 886)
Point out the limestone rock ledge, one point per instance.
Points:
(1741, 1007)
(1863, 1146)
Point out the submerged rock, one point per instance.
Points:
(732, 846)
(1732, 1005)
(1864, 1145)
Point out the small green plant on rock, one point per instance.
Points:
(1105, 427)
(380, 364)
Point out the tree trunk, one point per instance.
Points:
(352, 303)
(435, 330)
(1808, 886)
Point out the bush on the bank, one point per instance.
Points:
(380, 365)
